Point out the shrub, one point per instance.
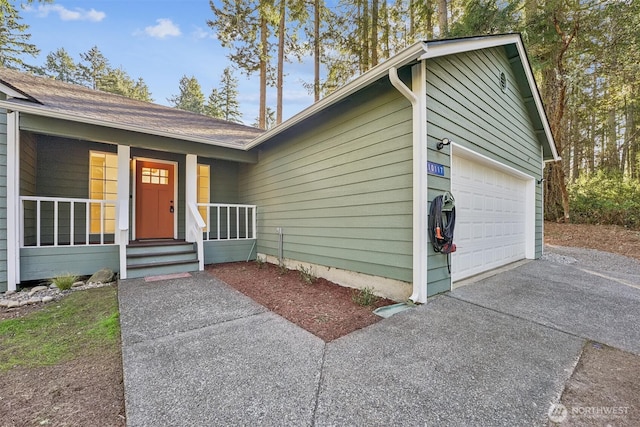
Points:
(306, 275)
(64, 281)
(605, 198)
(364, 296)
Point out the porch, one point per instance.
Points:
(83, 206)
(57, 238)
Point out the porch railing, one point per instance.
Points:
(62, 221)
(228, 221)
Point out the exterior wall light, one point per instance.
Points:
(441, 144)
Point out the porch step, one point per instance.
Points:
(164, 257)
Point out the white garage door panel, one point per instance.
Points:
(490, 218)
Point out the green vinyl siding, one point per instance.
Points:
(340, 186)
(229, 251)
(3, 198)
(223, 187)
(47, 262)
(466, 104)
(62, 170)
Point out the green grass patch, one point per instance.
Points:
(79, 324)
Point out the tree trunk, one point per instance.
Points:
(443, 19)
(374, 33)
(264, 56)
(316, 50)
(279, 82)
(364, 37)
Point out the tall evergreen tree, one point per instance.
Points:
(60, 66)
(14, 39)
(190, 97)
(93, 67)
(119, 82)
(223, 101)
(244, 27)
(214, 105)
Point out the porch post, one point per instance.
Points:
(191, 192)
(122, 230)
(13, 200)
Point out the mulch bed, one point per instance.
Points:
(322, 308)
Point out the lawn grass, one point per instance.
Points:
(79, 324)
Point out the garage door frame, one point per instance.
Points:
(530, 188)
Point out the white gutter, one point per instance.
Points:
(43, 112)
(418, 98)
(379, 71)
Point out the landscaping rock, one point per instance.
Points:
(4, 302)
(53, 286)
(77, 284)
(102, 276)
(47, 299)
(34, 300)
(9, 293)
(37, 289)
(13, 304)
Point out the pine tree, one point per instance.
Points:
(190, 97)
(244, 27)
(93, 67)
(14, 39)
(61, 66)
(229, 96)
(119, 82)
(223, 102)
(214, 105)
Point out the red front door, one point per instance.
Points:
(154, 200)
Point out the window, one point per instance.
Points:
(155, 176)
(103, 185)
(204, 182)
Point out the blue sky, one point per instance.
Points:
(158, 40)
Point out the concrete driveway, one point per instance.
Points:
(496, 352)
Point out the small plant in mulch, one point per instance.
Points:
(282, 268)
(306, 275)
(64, 281)
(260, 262)
(364, 297)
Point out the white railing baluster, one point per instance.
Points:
(58, 203)
(233, 228)
(55, 223)
(72, 230)
(38, 223)
(87, 224)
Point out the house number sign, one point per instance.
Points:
(435, 169)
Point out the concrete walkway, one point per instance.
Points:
(497, 352)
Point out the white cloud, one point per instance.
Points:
(164, 28)
(200, 33)
(65, 14)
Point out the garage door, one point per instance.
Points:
(490, 217)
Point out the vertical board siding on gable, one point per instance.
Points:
(466, 104)
(3, 200)
(342, 191)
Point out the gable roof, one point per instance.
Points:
(433, 49)
(52, 98)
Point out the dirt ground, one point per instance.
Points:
(88, 391)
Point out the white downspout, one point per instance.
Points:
(418, 99)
